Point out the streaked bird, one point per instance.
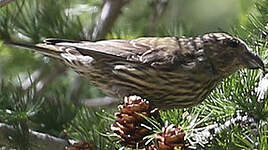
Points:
(170, 72)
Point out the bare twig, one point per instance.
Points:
(159, 7)
(42, 77)
(38, 141)
(76, 87)
(110, 12)
(204, 135)
(58, 70)
(4, 2)
(33, 78)
(102, 101)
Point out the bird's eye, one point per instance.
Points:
(232, 43)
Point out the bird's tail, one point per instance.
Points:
(48, 50)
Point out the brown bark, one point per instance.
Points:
(4, 2)
(38, 141)
(159, 7)
(110, 12)
(102, 101)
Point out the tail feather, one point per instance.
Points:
(47, 50)
(57, 47)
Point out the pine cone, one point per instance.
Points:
(171, 137)
(129, 123)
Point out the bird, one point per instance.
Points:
(170, 72)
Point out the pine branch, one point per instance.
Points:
(33, 77)
(204, 135)
(37, 140)
(76, 88)
(103, 101)
(59, 70)
(110, 12)
(42, 77)
(159, 7)
(4, 2)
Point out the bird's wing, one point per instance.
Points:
(149, 50)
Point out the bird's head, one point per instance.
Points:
(228, 54)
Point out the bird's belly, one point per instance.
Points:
(164, 89)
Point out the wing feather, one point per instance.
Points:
(148, 50)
